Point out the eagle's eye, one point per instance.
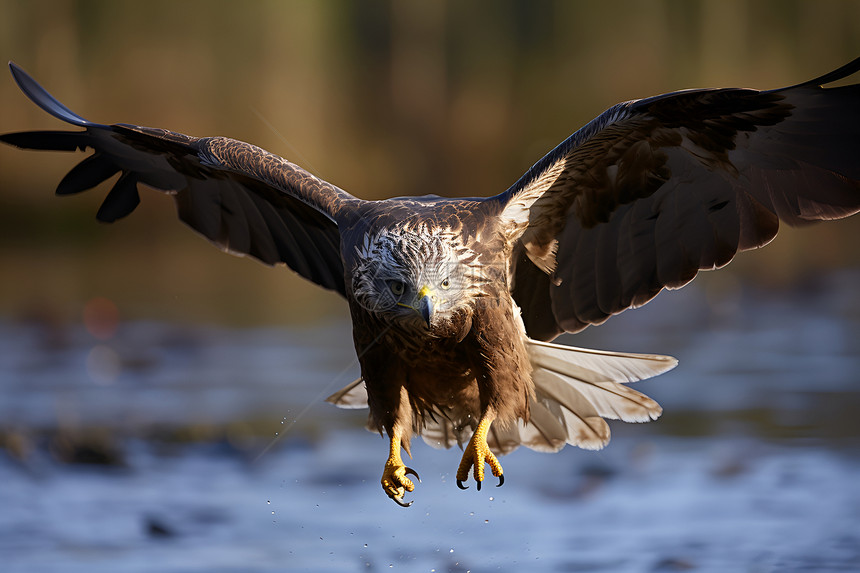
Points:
(445, 284)
(396, 287)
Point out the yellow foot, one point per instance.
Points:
(476, 455)
(395, 484)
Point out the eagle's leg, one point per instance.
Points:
(478, 453)
(394, 480)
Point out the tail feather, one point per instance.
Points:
(352, 396)
(574, 390)
(441, 433)
(503, 439)
(581, 424)
(544, 432)
(597, 365)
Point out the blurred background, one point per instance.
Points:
(159, 399)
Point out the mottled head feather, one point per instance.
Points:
(415, 256)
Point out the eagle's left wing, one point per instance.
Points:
(654, 190)
(242, 198)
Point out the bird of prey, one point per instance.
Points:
(454, 302)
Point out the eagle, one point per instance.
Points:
(455, 301)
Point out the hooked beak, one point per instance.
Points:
(425, 304)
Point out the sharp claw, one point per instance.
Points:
(501, 480)
(479, 486)
(461, 486)
(399, 501)
(410, 471)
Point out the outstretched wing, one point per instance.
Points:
(654, 190)
(243, 198)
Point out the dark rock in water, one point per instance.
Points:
(590, 479)
(673, 564)
(92, 448)
(157, 528)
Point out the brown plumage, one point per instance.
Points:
(451, 298)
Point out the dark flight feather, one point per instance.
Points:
(239, 196)
(87, 174)
(652, 191)
(122, 199)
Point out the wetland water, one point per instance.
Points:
(178, 448)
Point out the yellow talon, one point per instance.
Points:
(395, 484)
(477, 454)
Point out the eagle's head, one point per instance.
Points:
(416, 275)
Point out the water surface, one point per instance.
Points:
(191, 448)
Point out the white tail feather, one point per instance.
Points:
(581, 386)
(351, 396)
(575, 389)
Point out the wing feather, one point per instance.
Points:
(87, 174)
(121, 200)
(239, 196)
(652, 191)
